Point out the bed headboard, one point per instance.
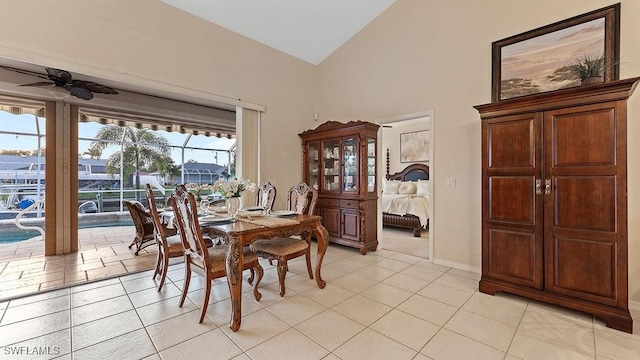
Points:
(413, 172)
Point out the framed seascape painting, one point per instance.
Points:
(578, 51)
(414, 146)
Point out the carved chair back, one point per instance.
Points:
(298, 199)
(186, 214)
(266, 196)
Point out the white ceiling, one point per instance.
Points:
(310, 30)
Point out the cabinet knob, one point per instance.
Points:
(538, 186)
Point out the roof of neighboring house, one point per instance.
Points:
(18, 162)
(194, 167)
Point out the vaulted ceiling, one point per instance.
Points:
(310, 30)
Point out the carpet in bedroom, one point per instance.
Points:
(403, 241)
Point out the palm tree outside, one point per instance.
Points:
(143, 149)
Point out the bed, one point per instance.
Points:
(405, 208)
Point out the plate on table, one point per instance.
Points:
(212, 220)
(283, 213)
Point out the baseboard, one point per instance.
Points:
(465, 267)
(634, 305)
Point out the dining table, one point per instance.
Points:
(244, 230)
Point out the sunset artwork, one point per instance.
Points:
(543, 63)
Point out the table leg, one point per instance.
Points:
(234, 280)
(322, 236)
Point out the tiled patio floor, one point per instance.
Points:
(103, 253)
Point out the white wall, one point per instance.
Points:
(420, 55)
(416, 56)
(149, 44)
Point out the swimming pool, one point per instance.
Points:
(11, 236)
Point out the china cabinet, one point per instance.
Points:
(340, 162)
(554, 199)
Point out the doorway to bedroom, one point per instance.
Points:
(406, 201)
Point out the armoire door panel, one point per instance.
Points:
(585, 202)
(584, 268)
(587, 137)
(512, 199)
(511, 144)
(514, 256)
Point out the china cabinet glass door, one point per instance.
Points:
(331, 165)
(371, 165)
(313, 165)
(350, 161)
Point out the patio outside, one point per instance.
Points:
(106, 157)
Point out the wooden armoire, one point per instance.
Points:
(554, 199)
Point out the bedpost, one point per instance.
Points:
(387, 176)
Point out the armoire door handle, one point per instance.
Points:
(538, 186)
(547, 187)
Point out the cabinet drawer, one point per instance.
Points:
(328, 202)
(352, 204)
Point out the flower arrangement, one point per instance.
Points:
(233, 188)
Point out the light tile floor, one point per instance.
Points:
(384, 305)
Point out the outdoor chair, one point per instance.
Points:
(143, 224)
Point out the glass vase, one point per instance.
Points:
(233, 206)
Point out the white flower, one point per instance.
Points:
(234, 187)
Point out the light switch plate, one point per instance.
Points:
(450, 182)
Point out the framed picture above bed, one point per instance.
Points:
(414, 146)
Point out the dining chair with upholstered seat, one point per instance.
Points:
(169, 244)
(284, 249)
(266, 196)
(210, 263)
(143, 224)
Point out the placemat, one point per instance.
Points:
(270, 221)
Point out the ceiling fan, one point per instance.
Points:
(79, 88)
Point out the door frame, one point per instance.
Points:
(432, 185)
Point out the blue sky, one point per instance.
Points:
(26, 124)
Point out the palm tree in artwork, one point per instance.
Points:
(142, 148)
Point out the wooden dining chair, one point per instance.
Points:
(169, 244)
(266, 196)
(210, 263)
(284, 249)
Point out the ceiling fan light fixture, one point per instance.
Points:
(59, 93)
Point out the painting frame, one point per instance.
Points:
(414, 146)
(610, 53)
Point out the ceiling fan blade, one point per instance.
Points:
(94, 87)
(39, 83)
(58, 74)
(80, 92)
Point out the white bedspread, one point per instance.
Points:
(406, 204)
